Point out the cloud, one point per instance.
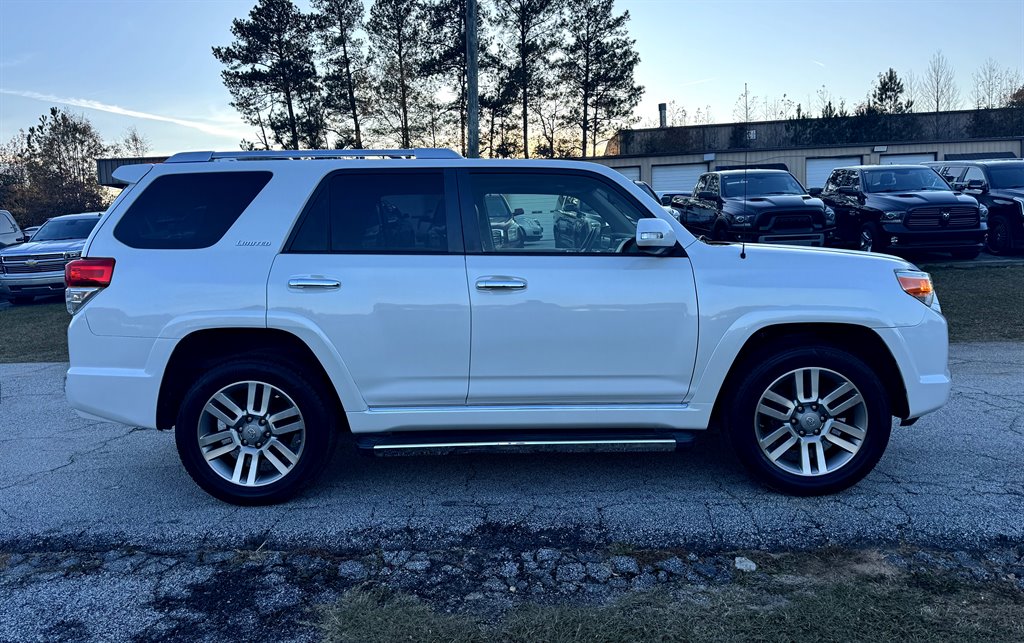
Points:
(205, 127)
(818, 63)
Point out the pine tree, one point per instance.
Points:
(337, 22)
(395, 30)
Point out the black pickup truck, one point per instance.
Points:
(888, 208)
(998, 185)
(764, 206)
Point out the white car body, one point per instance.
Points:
(690, 316)
(10, 231)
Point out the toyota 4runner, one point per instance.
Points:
(262, 304)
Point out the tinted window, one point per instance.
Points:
(903, 179)
(702, 184)
(57, 229)
(974, 173)
(187, 211)
(575, 213)
(1009, 176)
(388, 212)
(738, 185)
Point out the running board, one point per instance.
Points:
(423, 441)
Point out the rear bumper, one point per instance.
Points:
(115, 378)
(46, 283)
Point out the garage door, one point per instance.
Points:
(906, 159)
(632, 173)
(819, 169)
(676, 178)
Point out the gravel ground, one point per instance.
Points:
(104, 536)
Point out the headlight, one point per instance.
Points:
(830, 215)
(743, 219)
(917, 284)
(983, 212)
(76, 254)
(892, 216)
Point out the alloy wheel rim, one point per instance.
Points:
(998, 237)
(811, 422)
(251, 433)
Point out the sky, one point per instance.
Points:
(147, 63)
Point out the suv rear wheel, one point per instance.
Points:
(809, 421)
(254, 432)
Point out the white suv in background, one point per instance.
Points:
(263, 303)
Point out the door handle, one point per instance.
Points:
(314, 284)
(500, 283)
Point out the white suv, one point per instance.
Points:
(264, 303)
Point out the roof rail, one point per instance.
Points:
(265, 155)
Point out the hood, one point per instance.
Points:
(44, 247)
(907, 200)
(1005, 193)
(816, 254)
(775, 202)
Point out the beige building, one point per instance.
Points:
(672, 158)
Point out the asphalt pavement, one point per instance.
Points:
(955, 479)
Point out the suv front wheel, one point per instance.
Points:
(254, 432)
(809, 421)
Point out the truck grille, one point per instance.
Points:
(789, 221)
(937, 218)
(32, 264)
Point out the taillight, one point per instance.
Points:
(84, 278)
(89, 272)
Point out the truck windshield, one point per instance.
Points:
(739, 185)
(904, 179)
(1007, 177)
(60, 229)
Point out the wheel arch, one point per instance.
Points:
(854, 338)
(200, 350)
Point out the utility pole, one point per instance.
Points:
(473, 99)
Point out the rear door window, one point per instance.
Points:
(188, 211)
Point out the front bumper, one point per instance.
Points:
(895, 236)
(45, 283)
(922, 352)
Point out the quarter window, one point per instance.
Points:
(974, 173)
(188, 211)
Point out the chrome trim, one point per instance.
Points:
(500, 283)
(521, 443)
(314, 284)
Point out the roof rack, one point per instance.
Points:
(266, 155)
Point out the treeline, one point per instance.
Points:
(556, 76)
(50, 168)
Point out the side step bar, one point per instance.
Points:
(561, 440)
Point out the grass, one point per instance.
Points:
(804, 598)
(34, 332)
(982, 303)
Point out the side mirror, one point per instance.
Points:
(666, 200)
(815, 192)
(707, 196)
(654, 233)
(849, 190)
(977, 185)
(517, 212)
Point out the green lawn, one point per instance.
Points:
(982, 303)
(34, 332)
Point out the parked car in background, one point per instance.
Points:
(505, 229)
(998, 185)
(29, 231)
(654, 195)
(888, 208)
(263, 310)
(36, 267)
(10, 232)
(763, 206)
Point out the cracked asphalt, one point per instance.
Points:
(955, 479)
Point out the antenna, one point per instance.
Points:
(746, 164)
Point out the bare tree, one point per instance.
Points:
(744, 110)
(132, 143)
(988, 85)
(939, 88)
(912, 91)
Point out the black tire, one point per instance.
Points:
(966, 254)
(317, 443)
(1000, 237)
(763, 369)
(22, 300)
(868, 241)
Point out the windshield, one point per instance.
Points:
(60, 229)
(1006, 177)
(739, 185)
(904, 179)
(497, 207)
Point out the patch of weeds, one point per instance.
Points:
(380, 616)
